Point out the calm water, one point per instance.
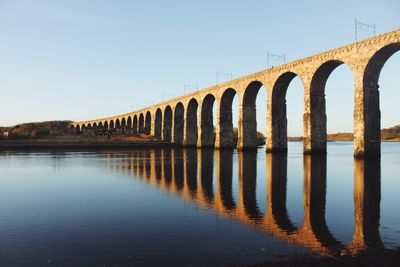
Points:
(193, 207)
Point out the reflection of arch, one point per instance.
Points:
(225, 134)
(191, 131)
(141, 123)
(276, 195)
(178, 123)
(191, 170)
(158, 165)
(315, 122)
(206, 123)
(166, 166)
(248, 127)
(167, 126)
(206, 162)
(314, 226)
(158, 123)
(277, 117)
(135, 124)
(368, 116)
(178, 169)
(224, 161)
(247, 184)
(147, 126)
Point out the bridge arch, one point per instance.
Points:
(147, 126)
(368, 98)
(123, 125)
(191, 129)
(206, 122)
(112, 127)
(277, 119)
(315, 121)
(167, 124)
(141, 123)
(129, 124)
(158, 123)
(135, 124)
(178, 123)
(117, 125)
(247, 134)
(225, 136)
(105, 124)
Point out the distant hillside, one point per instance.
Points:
(388, 134)
(35, 129)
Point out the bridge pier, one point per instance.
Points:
(191, 130)
(206, 125)
(224, 128)
(314, 118)
(367, 121)
(247, 128)
(276, 139)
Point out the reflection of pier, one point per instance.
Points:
(190, 175)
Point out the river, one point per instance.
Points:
(188, 207)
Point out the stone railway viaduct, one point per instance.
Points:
(188, 120)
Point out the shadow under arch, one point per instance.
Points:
(191, 130)
(147, 125)
(158, 123)
(123, 124)
(370, 100)
(129, 124)
(135, 124)
(247, 135)
(117, 124)
(225, 134)
(141, 123)
(206, 138)
(178, 123)
(167, 124)
(278, 113)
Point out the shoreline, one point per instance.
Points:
(43, 144)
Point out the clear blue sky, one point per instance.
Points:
(80, 60)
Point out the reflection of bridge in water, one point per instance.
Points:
(189, 174)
